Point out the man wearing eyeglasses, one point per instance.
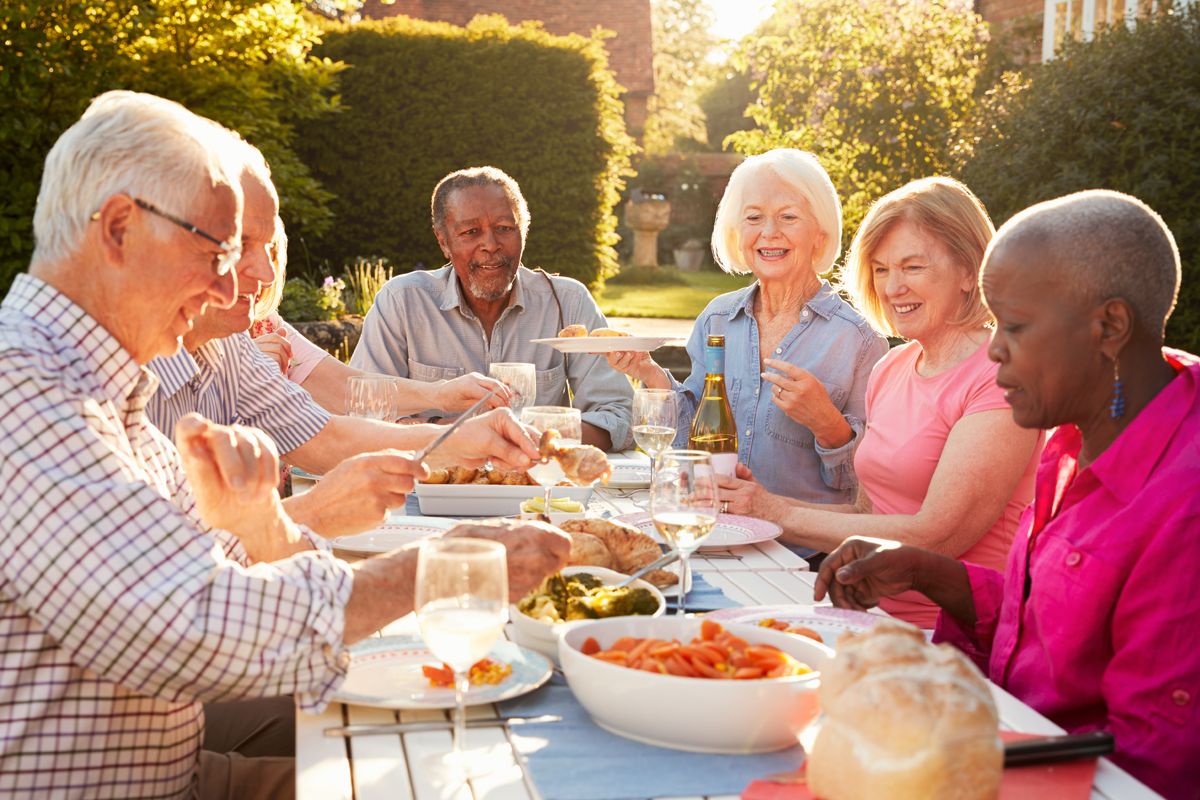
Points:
(220, 374)
(138, 580)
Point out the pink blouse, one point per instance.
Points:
(1107, 635)
(305, 354)
(909, 418)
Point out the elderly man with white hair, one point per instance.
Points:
(140, 580)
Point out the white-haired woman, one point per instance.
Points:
(942, 464)
(797, 356)
(325, 377)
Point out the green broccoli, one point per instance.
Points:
(607, 602)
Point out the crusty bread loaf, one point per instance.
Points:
(609, 332)
(904, 720)
(571, 331)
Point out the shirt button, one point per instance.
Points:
(778, 350)
(1180, 697)
(1073, 559)
(804, 313)
(747, 433)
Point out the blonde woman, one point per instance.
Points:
(797, 356)
(942, 465)
(325, 377)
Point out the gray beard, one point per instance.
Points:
(475, 285)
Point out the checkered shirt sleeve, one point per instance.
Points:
(119, 613)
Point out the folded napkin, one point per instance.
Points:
(577, 760)
(1070, 780)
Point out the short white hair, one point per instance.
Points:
(801, 171)
(139, 144)
(1108, 245)
(252, 161)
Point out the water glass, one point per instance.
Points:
(372, 397)
(655, 421)
(684, 506)
(461, 598)
(569, 424)
(521, 379)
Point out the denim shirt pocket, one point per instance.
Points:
(423, 372)
(735, 389)
(551, 386)
(785, 429)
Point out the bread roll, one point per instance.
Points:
(571, 331)
(904, 720)
(609, 332)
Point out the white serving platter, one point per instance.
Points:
(476, 500)
(606, 344)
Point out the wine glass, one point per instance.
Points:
(569, 424)
(373, 397)
(683, 505)
(655, 421)
(520, 378)
(461, 597)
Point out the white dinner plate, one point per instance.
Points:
(629, 476)
(385, 672)
(825, 620)
(606, 344)
(731, 530)
(388, 537)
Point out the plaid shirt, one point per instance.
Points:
(120, 611)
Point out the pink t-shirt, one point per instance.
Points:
(305, 354)
(909, 419)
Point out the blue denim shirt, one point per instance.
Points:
(833, 342)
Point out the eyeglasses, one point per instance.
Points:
(232, 252)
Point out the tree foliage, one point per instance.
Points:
(1119, 112)
(873, 88)
(682, 44)
(426, 98)
(241, 62)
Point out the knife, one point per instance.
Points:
(669, 558)
(1052, 749)
(437, 725)
(470, 412)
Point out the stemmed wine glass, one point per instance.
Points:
(569, 424)
(461, 598)
(655, 421)
(521, 378)
(683, 505)
(372, 396)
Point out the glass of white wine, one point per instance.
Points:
(683, 506)
(569, 424)
(372, 397)
(655, 421)
(520, 378)
(461, 598)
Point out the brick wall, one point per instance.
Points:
(1003, 12)
(630, 51)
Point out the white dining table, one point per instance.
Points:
(391, 767)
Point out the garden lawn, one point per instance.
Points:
(671, 301)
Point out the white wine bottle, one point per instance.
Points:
(714, 429)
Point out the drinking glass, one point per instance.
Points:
(655, 421)
(461, 597)
(683, 505)
(373, 397)
(521, 379)
(569, 424)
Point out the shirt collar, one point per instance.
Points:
(825, 302)
(117, 373)
(175, 372)
(1126, 465)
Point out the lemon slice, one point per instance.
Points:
(536, 505)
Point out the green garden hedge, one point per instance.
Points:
(423, 99)
(1121, 112)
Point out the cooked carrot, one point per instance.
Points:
(746, 673)
(591, 646)
(696, 653)
(709, 629)
(625, 643)
(640, 649)
(800, 630)
(709, 672)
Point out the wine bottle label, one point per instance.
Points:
(714, 360)
(725, 464)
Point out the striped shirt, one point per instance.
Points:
(232, 382)
(120, 611)
(421, 328)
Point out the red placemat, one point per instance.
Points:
(1070, 780)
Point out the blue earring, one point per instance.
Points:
(1117, 409)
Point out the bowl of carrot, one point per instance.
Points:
(693, 684)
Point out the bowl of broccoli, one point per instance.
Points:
(579, 593)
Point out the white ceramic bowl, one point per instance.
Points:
(540, 636)
(698, 714)
(557, 518)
